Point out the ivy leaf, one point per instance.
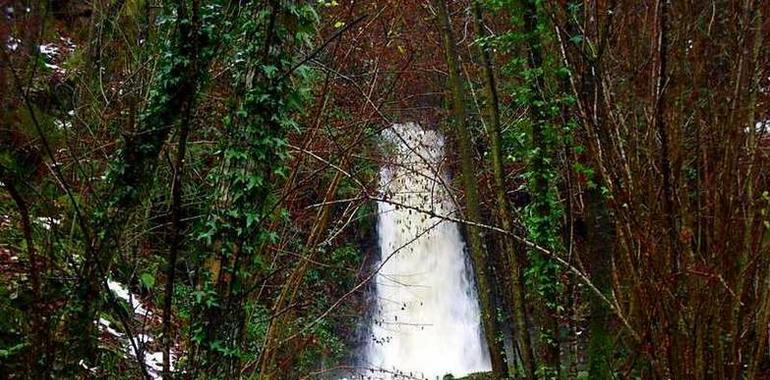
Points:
(4, 353)
(250, 218)
(269, 70)
(576, 39)
(147, 280)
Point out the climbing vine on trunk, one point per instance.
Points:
(268, 91)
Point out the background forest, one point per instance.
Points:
(190, 187)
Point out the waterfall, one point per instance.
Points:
(426, 323)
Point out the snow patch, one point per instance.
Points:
(106, 326)
(61, 124)
(153, 361)
(760, 127)
(12, 43)
(48, 222)
(54, 53)
(122, 292)
(49, 50)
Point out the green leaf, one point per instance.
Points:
(147, 280)
(7, 352)
(576, 39)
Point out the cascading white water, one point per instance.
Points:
(427, 321)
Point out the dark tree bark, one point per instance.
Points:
(38, 359)
(550, 350)
(138, 162)
(474, 234)
(176, 218)
(492, 110)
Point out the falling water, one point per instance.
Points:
(427, 320)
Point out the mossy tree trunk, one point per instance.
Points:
(539, 166)
(133, 169)
(475, 238)
(492, 111)
(599, 231)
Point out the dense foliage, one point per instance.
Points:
(189, 187)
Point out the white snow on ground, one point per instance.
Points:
(55, 53)
(122, 292)
(762, 126)
(13, 43)
(48, 222)
(153, 361)
(60, 124)
(105, 325)
(49, 50)
(55, 68)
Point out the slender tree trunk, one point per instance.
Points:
(661, 79)
(473, 214)
(138, 161)
(38, 360)
(283, 318)
(598, 234)
(763, 312)
(176, 214)
(550, 349)
(491, 107)
(176, 242)
(292, 286)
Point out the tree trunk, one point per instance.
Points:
(491, 108)
(39, 365)
(137, 163)
(598, 233)
(176, 215)
(475, 239)
(550, 349)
